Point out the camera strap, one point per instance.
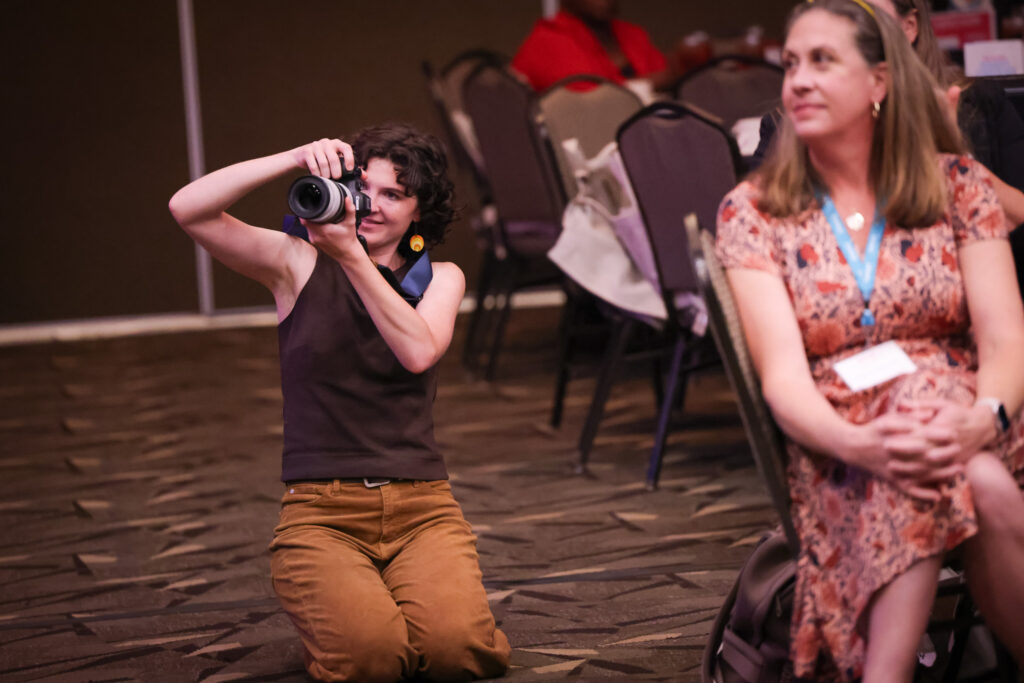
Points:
(415, 282)
(412, 286)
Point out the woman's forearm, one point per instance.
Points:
(209, 196)
(1001, 372)
(417, 336)
(405, 332)
(806, 417)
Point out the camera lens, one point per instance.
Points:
(317, 199)
(309, 198)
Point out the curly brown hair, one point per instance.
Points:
(421, 166)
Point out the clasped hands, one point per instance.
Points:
(924, 444)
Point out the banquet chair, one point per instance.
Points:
(954, 615)
(763, 435)
(527, 194)
(585, 111)
(677, 162)
(444, 87)
(445, 90)
(586, 108)
(732, 87)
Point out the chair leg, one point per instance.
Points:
(962, 616)
(684, 383)
(616, 349)
(502, 322)
(485, 280)
(658, 382)
(1006, 665)
(675, 381)
(499, 290)
(565, 350)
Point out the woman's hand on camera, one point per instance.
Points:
(329, 157)
(325, 157)
(338, 240)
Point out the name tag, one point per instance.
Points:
(874, 366)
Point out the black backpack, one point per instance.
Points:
(749, 641)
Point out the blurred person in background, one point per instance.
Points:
(586, 37)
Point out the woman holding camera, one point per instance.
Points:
(870, 265)
(372, 558)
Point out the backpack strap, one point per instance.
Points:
(737, 649)
(715, 645)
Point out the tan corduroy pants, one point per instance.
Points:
(384, 583)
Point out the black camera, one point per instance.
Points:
(322, 200)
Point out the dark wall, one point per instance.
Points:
(94, 141)
(96, 136)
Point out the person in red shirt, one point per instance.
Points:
(584, 37)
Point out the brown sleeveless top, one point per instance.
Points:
(350, 408)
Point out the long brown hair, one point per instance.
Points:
(911, 129)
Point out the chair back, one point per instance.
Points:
(525, 184)
(732, 87)
(588, 108)
(445, 90)
(766, 441)
(678, 163)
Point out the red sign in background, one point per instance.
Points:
(954, 28)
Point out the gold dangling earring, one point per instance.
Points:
(416, 243)
(877, 110)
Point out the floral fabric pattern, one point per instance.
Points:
(857, 532)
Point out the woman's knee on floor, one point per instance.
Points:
(383, 665)
(997, 497)
(365, 654)
(462, 652)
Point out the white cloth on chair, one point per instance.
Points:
(604, 245)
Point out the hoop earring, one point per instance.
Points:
(877, 110)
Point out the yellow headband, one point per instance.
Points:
(867, 8)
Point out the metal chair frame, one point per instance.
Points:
(558, 110)
(716, 65)
(685, 352)
(508, 266)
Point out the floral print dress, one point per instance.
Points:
(858, 532)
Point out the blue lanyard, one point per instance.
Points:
(864, 270)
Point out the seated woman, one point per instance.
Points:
(862, 239)
(372, 559)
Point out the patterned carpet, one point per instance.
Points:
(138, 491)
